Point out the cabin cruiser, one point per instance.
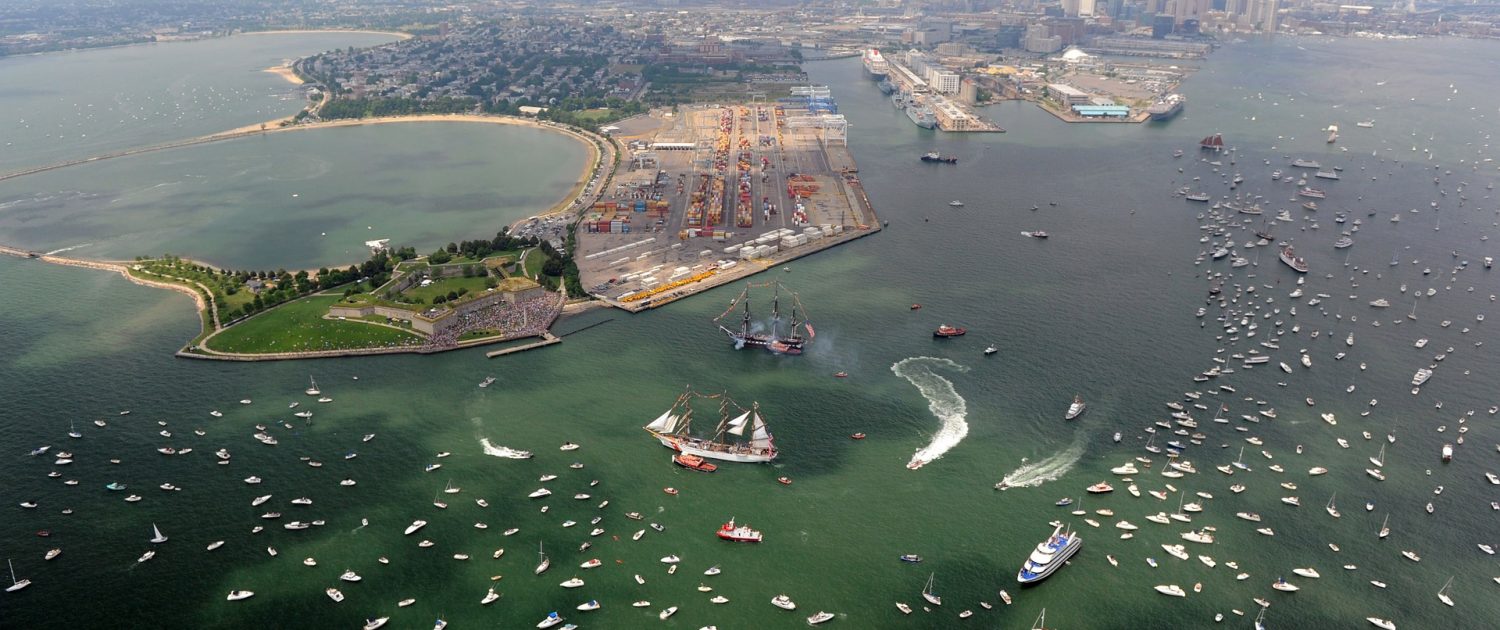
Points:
(1049, 556)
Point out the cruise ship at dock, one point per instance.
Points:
(875, 64)
(1169, 106)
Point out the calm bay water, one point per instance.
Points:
(296, 200)
(71, 105)
(1103, 309)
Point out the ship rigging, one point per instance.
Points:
(748, 333)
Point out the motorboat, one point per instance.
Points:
(1172, 590)
(783, 602)
(1049, 555)
(235, 596)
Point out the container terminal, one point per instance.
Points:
(712, 193)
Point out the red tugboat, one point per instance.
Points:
(738, 533)
(948, 331)
(693, 462)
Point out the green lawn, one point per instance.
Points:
(443, 286)
(299, 327)
(533, 266)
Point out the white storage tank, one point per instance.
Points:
(732, 249)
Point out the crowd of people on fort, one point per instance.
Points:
(527, 318)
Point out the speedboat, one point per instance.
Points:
(1282, 585)
(372, 624)
(672, 610)
(1172, 590)
(334, 594)
(551, 620)
(819, 618)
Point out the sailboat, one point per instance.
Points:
(1413, 314)
(1151, 446)
(1384, 530)
(673, 429)
(927, 591)
(1332, 511)
(1239, 462)
(1041, 621)
(1179, 515)
(312, 388)
(1443, 593)
(159, 537)
(773, 340)
(72, 432)
(1260, 619)
(14, 584)
(543, 561)
(1379, 460)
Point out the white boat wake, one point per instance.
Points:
(502, 451)
(942, 400)
(1049, 469)
(66, 249)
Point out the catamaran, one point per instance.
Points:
(773, 339)
(673, 429)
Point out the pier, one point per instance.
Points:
(546, 340)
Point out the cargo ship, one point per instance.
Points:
(934, 156)
(921, 115)
(673, 429)
(1169, 106)
(751, 334)
(875, 64)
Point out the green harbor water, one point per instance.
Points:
(1103, 309)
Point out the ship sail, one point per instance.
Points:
(737, 425)
(769, 335)
(761, 437)
(665, 423)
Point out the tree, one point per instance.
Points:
(439, 257)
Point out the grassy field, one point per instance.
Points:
(443, 286)
(299, 327)
(533, 263)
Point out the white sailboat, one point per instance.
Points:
(927, 593)
(312, 388)
(1443, 592)
(1332, 510)
(1041, 621)
(543, 561)
(1384, 530)
(15, 585)
(1379, 460)
(673, 429)
(159, 537)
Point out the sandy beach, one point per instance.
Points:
(285, 72)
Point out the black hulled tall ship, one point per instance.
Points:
(772, 336)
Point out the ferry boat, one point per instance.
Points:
(875, 64)
(1311, 192)
(949, 331)
(673, 429)
(738, 533)
(934, 156)
(773, 340)
(1049, 556)
(1167, 107)
(1289, 256)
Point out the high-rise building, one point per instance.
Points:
(1188, 9)
(1236, 7)
(1263, 14)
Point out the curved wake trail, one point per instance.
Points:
(502, 451)
(1048, 469)
(942, 400)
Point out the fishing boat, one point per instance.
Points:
(673, 429)
(1049, 556)
(741, 533)
(772, 338)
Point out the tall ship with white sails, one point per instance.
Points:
(875, 64)
(741, 434)
(772, 337)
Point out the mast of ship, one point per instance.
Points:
(775, 309)
(723, 418)
(745, 323)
